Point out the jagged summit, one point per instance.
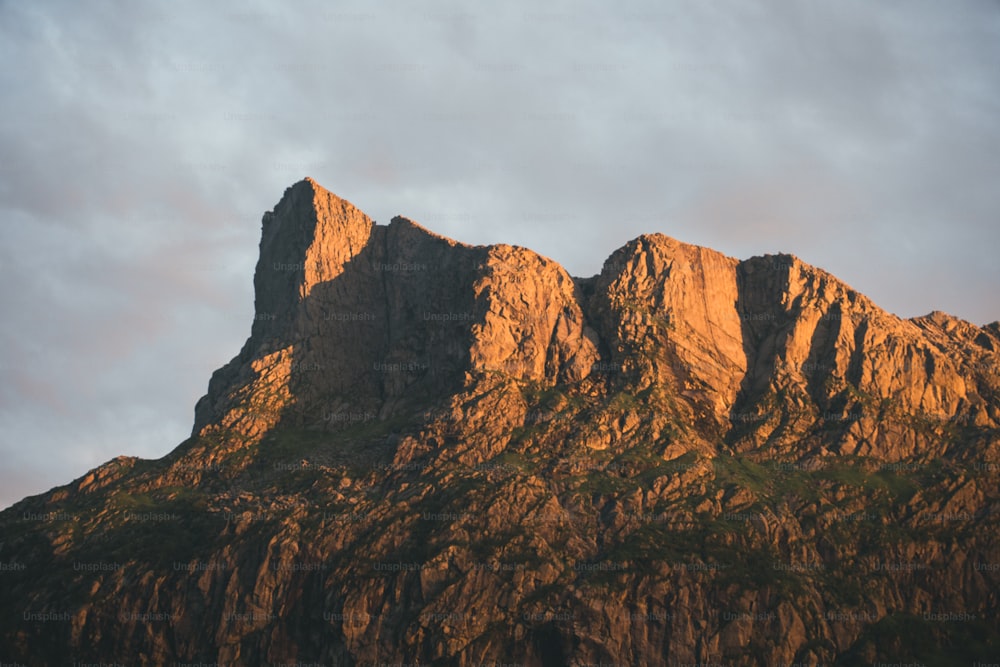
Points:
(432, 452)
(337, 293)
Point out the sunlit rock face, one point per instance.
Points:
(353, 316)
(430, 452)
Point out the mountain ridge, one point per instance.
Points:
(658, 252)
(428, 451)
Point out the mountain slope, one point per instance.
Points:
(434, 452)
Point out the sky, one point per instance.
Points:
(141, 142)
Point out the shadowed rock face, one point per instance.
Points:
(434, 452)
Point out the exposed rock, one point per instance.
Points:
(440, 453)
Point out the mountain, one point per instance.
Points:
(434, 453)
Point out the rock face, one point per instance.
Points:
(353, 317)
(440, 453)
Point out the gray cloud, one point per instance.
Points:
(141, 144)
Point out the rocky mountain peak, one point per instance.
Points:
(402, 313)
(399, 311)
(433, 452)
(306, 240)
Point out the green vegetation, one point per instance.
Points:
(511, 460)
(742, 472)
(357, 449)
(600, 482)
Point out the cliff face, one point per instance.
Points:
(353, 317)
(434, 452)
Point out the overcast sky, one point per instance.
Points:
(140, 143)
